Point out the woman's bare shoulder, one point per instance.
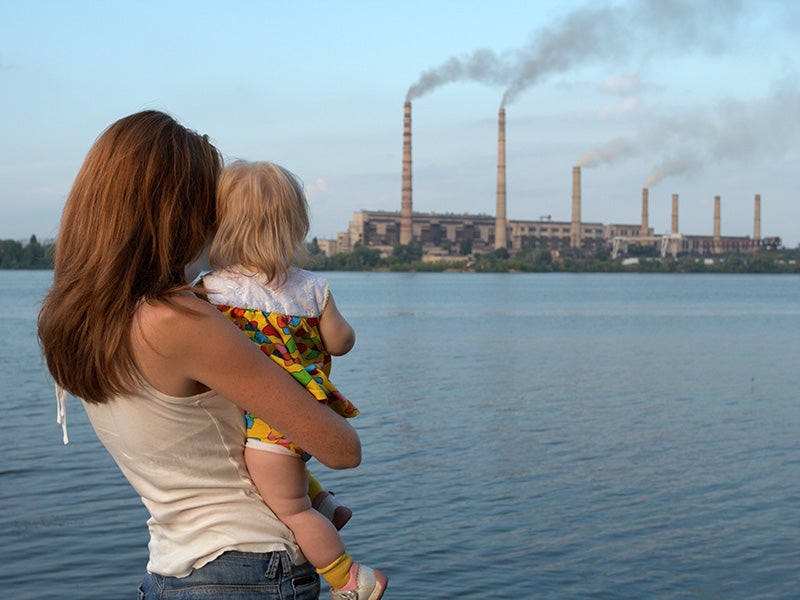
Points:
(167, 327)
(178, 311)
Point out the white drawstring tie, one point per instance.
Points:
(61, 411)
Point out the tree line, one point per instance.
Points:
(32, 255)
(529, 260)
(36, 255)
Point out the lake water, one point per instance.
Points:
(525, 436)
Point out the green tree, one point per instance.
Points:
(361, 258)
(501, 253)
(313, 247)
(10, 254)
(406, 253)
(603, 253)
(33, 254)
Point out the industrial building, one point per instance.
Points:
(453, 235)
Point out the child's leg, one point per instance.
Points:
(281, 480)
(314, 486)
(326, 503)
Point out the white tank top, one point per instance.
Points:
(184, 456)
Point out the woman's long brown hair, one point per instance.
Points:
(142, 207)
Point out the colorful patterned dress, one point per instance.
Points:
(284, 322)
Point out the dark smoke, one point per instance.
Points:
(601, 33)
(592, 33)
(482, 66)
(584, 35)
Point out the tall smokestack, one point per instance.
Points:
(717, 245)
(575, 229)
(674, 214)
(405, 206)
(757, 222)
(645, 225)
(500, 239)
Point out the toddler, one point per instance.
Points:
(290, 312)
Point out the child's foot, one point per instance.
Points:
(336, 512)
(364, 584)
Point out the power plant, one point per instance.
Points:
(443, 235)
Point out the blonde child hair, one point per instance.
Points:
(263, 222)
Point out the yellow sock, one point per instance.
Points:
(337, 574)
(314, 486)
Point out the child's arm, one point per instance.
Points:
(337, 334)
(236, 368)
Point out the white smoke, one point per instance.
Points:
(681, 164)
(615, 149)
(622, 85)
(734, 132)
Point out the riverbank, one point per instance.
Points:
(15, 255)
(541, 261)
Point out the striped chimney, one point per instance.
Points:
(405, 206)
(500, 235)
(717, 236)
(645, 224)
(674, 214)
(575, 228)
(757, 221)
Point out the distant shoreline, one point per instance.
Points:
(33, 255)
(654, 267)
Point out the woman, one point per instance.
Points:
(164, 376)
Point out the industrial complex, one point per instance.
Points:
(450, 235)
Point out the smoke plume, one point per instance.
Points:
(734, 131)
(615, 149)
(586, 34)
(482, 66)
(592, 33)
(680, 164)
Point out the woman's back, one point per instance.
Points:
(184, 457)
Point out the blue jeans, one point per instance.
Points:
(238, 576)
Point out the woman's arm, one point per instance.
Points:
(176, 349)
(338, 336)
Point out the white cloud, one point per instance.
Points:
(622, 85)
(317, 187)
(628, 105)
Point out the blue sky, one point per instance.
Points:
(700, 96)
